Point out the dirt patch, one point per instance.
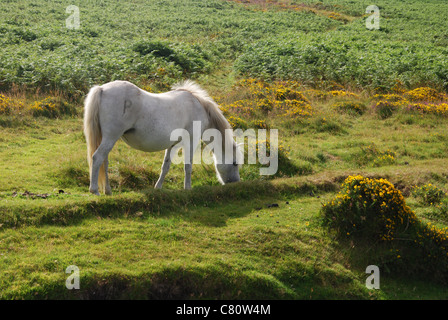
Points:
(321, 9)
(32, 195)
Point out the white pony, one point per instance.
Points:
(145, 121)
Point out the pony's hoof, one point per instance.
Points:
(108, 192)
(95, 192)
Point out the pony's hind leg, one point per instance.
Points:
(100, 158)
(107, 189)
(165, 168)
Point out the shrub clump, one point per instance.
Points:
(386, 108)
(428, 194)
(190, 59)
(440, 109)
(368, 208)
(424, 94)
(372, 155)
(8, 105)
(52, 107)
(350, 107)
(286, 166)
(237, 123)
(277, 99)
(440, 211)
(374, 211)
(423, 100)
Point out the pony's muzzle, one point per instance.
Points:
(232, 180)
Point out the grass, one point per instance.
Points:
(261, 238)
(212, 241)
(241, 249)
(316, 43)
(351, 55)
(208, 252)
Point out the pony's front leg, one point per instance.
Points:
(188, 168)
(165, 168)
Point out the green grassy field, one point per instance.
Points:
(345, 100)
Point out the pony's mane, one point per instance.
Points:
(214, 113)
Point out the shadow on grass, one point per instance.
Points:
(176, 282)
(403, 272)
(73, 209)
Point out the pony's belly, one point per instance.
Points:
(142, 143)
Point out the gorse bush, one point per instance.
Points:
(342, 94)
(52, 107)
(373, 211)
(49, 107)
(259, 124)
(286, 93)
(423, 100)
(384, 160)
(9, 105)
(427, 254)
(44, 108)
(430, 108)
(237, 123)
(276, 99)
(369, 208)
(424, 94)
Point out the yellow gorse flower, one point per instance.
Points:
(9, 105)
(276, 99)
(424, 100)
(424, 94)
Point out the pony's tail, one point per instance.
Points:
(92, 130)
(215, 115)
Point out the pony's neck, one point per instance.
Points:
(223, 154)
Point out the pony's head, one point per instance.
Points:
(228, 170)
